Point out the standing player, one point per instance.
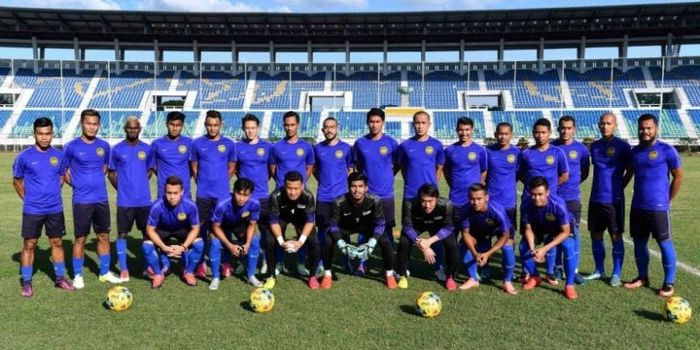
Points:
(652, 161)
(501, 182)
(606, 209)
(295, 205)
(212, 156)
(428, 212)
(546, 220)
(578, 160)
(130, 168)
(237, 215)
(38, 177)
(87, 157)
(482, 220)
(362, 213)
(171, 154)
(173, 216)
(375, 155)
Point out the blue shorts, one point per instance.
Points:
(32, 225)
(645, 222)
(93, 214)
(610, 216)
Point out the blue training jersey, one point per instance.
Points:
(332, 164)
(419, 161)
(501, 180)
(131, 163)
(549, 163)
(172, 157)
(290, 156)
(213, 158)
(546, 220)
(578, 160)
(180, 217)
(491, 223)
(228, 214)
(41, 173)
(86, 163)
(252, 164)
(376, 159)
(610, 158)
(463, 167)
(652, 165)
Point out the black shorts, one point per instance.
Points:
(323, 214)
(645, 222)
(298, 226)
(610, 216)
(95, 214)
(389, 212)
(33, 223)
(166, 236)
(127, 216)
(574, 208)
(205, 207)
(512, 217)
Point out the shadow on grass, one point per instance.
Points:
(649, 315)
(245, 305)
(409, 309)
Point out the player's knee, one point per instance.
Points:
(55, 242)
(30, 244)
(122, 235)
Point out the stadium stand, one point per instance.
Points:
(522, 121)
(309, 124)
(669, 122)
(215, 90)
(156, 124)
(593, 88)
(54, 88)
(24, 126)
(528, 88)
(586, 122)
(687, 77)
(446, 122)
(694, 115)
(127, 89)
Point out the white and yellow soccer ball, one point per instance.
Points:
(676, 310)
(119, 298)
(428, 305)
(262, 300)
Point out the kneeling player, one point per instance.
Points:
(173, 217)
(482, 220)
(292, 204)
(428, 212)
(237, 214)
(546, 221)
(357, 212)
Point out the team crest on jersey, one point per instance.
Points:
(221, 148)
(339, 154)
(550, 217)
(550, 160)
(383, 150)
(182, 216)
(471, 156)
(573, 154)
(611, 151)
(653, 155)
(182, 149)
(53, 161)
(489, 222)
(142, 155)
(300, 152)
(100, 152)
(245, 214)
(511, 158)
(429, 150)
(260, 152)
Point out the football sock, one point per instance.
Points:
(569, 251)
(59, 269)
(508, 262)
(550, 260)
(470, 265)
(253, 255)
(104, 263)
(121, 253)
(668, 258)
(641, 256)
(151, 255)
(78, 266)
(598, 247)
(194, 254)
(527, 259)
(618, 256)
(27, 272)
(215, 257)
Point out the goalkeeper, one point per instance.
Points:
(362, 213)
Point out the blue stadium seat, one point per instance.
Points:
(112, 123)
(446, 123)
(215, 90)
(669, 122)
(309, 124)
(127, 89)
(54, 88)
(586, 122)
(592, 89)
(352, 124)
(694, 115)
(4, 116)
(156, 124)
(24, 126)
(441, 88)
(364, 87)
(686, 77)
(528, 88)
(522, 121)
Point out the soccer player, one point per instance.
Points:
(130, 168)
(173, 216)
(236, 214)
(171, 154)
(606, 209)
(357, 212)
(375, 155)
(428, 212)
(652, 161)
(481, 221)
(295, 205)
(38, 177)
(546, 220)
(212, 156)
(578, 160)
(547, 161)
(501, 181)
(87, 158)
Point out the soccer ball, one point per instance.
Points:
(262, 300)
(428, 305)
(676, 310)
(119, 298)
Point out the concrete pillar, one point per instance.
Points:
(501, 55)
(77, 54)
(347, 56)
(622, 51)
(581, 55)
(35, 54)
(461, 55)
(309, 55)
(386, 55)
(668, 54)
(540, 56)
(118, 57)
(422, 51)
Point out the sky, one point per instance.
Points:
(315, 6)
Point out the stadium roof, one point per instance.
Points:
(682, 20)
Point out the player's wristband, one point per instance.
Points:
(280, 240)
(183, 246)
(302, 239)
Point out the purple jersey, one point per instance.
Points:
(228, 214)
(376, 159)
(546, 220)
(501, 180)
(419, 161)
(610, 158)
(332, 164)
(578, 160)
(180, 217)
(131, 163)
(550, 164)
(86, 163)
(290, 156)
(172, 157)
(213, 158)
(484, 226)
(41, 173)
(463, 167)
(652, 165)
(252, 165)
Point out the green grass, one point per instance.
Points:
(356, 313)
